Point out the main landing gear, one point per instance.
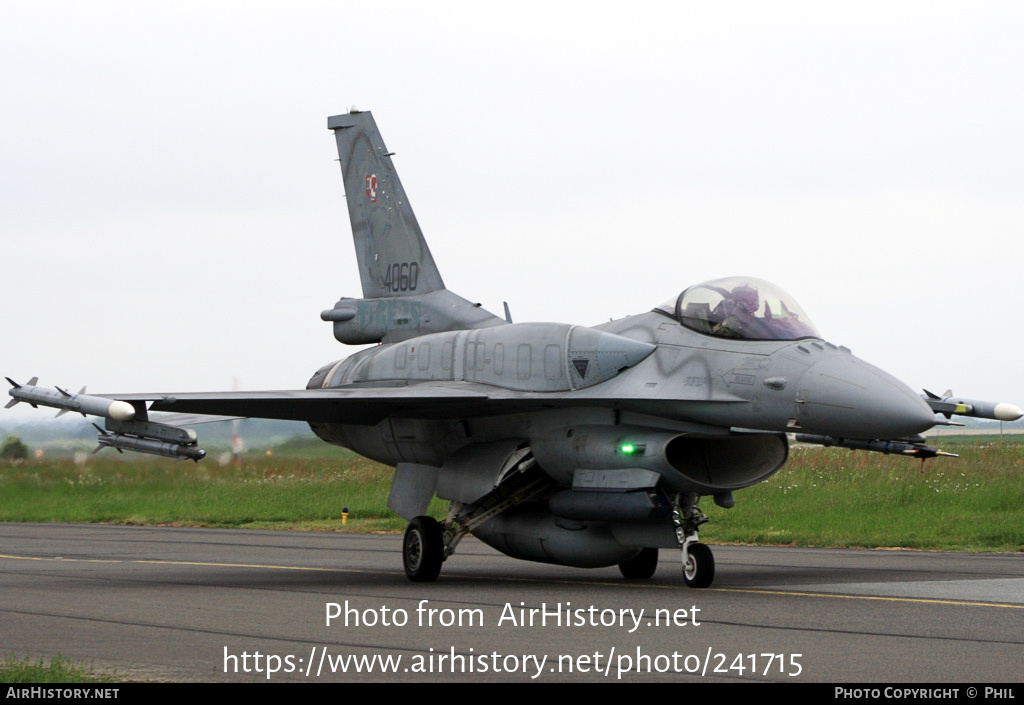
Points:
(428, 543)
(423, 549)
(698, 561)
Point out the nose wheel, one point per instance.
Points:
(697, 558)
(698, 565)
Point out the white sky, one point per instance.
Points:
(172, 217)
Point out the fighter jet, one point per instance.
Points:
(577, 445)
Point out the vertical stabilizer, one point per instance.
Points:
(394, 259)
(403, 295)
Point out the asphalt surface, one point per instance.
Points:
(184, 604)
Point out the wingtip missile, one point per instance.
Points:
(948, 405)
(65, 401)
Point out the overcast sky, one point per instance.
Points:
(173, 216)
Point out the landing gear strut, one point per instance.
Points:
(428, 543)
(698, 561)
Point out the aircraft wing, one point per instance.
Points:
(365, 406)
(129, 426)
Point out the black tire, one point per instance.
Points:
(699, 570)
(423, 550)
(641, 566)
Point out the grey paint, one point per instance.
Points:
(557, 442)
(385, 230)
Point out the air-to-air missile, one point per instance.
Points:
(153, 446)
(123, 431)
(913, 447)
(948, 404)
(65, 401)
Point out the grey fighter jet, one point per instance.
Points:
(575, 445)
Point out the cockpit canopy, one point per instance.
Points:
(740, 307)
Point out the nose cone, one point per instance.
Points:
(846, 397)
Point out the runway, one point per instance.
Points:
(184, 604)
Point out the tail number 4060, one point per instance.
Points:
(402, 276)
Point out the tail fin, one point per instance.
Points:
(394, 259)
(403, 294)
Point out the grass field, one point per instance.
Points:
(263, 492)
(14, 670)
(835, 497)
(823, 497)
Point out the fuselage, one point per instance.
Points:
(572, 393)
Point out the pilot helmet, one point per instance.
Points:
(746, 298)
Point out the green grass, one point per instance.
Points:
(57, 670)
(823, 497)
(836, 497)
(265, 491)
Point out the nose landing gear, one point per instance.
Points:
(697, 559)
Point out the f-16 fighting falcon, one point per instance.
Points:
(568, 444)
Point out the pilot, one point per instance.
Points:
(736, 313)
